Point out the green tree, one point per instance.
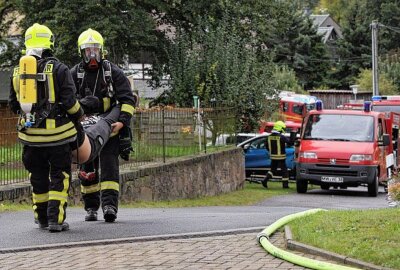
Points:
(389, 37)
(8, 51)
(284, 78)
(390, 67)
(300, 48)
(386, 87)
(126, 27)
(355, 49)
(218, 66)
(334, 8)
(276, 28)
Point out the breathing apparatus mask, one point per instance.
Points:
(91, 55)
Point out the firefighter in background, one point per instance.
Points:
(95, 76)
(42, 92)
(276, 145)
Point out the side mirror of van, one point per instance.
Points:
(385, 140)
(246, 147)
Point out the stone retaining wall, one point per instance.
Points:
(188, 177)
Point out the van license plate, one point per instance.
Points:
(332, 179)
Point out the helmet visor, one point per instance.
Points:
(91, 52)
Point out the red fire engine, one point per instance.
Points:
(294, 107)
(386, 103)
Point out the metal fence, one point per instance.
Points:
(159, 134)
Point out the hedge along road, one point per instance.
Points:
(17, 229)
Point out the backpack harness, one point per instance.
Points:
(107, 78)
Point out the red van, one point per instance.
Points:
(347, 148)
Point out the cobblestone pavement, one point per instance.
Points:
(236, 251)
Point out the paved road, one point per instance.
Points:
(18, 231)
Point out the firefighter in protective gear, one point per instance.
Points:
(46, 140)
(276, 145)
(96, 76)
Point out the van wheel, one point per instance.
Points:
(374, 186)
(301, 186)
(325, 186)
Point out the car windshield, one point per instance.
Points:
(386, 108)
(310, 107)
(335, 127)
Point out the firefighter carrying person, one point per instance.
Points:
(276, 145)
(42, 92)
(96, 76)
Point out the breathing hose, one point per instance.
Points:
(263, 239)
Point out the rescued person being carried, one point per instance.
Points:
(92, 132)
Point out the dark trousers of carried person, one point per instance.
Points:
(49, 195)
(104, 188)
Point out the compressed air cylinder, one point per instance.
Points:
(27, 83)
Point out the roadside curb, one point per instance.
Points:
(132, 240)
(293, 245)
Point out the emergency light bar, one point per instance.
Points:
(379, 98)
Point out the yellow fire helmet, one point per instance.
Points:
(279, 126)
(90, 46)
(39, 36)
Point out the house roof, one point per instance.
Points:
(326, 32)
(319, 19)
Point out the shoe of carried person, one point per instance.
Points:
(110, 214)
(55, 227)
(91, 215)
(89, 121)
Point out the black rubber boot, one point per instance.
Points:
(55, 227)
(42, 224)
(110, 214)
(91, 215)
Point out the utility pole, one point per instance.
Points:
(375, 79)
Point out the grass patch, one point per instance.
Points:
(252, 193)
(368, 235)
(8, 207)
